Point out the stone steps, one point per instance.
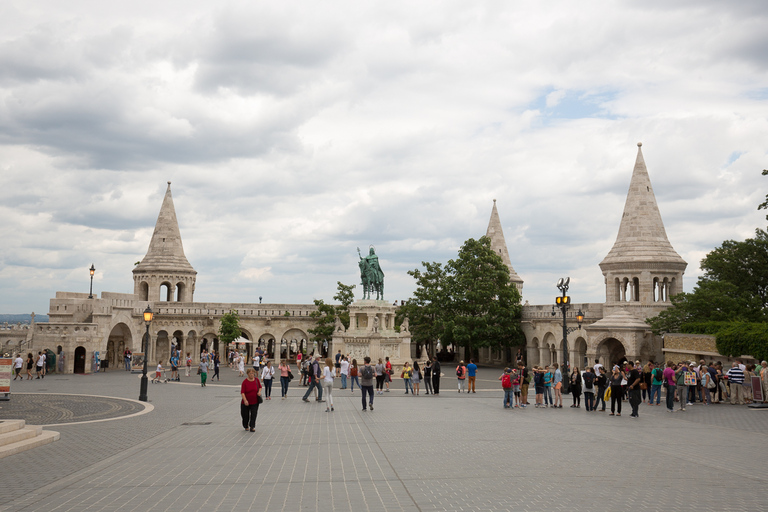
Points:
(16, 436)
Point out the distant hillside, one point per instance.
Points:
(25, 319)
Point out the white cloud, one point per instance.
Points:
(296, 132)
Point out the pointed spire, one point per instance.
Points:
(165, 249)
(499, 246)
(642, 237)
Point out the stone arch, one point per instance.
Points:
(166, 290)
(268, 342)
(176, 340)
(144, 291)
(293, 338)
(190, 344)
(610, 350)
(181, 292)
(119, 338)
(533, 352)
(162, 352)
(547, 349)
(79, 364)
(580, 353)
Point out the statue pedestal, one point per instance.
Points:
(372, 333)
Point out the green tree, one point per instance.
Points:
(764, 204)
(229, 327)
(325, 315)
(345, 295)
(484, 305)
(468, 302)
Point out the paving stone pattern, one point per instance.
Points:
(45, 409)
(452, 452)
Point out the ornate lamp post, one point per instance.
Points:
(563, 302)
(92, 271)
(147, 320)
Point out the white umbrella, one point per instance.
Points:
(240, 340)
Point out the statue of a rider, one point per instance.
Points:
(371, 275)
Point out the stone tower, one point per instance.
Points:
(499, 245)
(165, 274)
(642, 270)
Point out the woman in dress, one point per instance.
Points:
(284, 377)
(240, 364)
(267, 375)
(250, 390)
(328, 373)
(416, 377)
(576, 387)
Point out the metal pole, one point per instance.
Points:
(565, 369)
(143, 388)
(90, 293)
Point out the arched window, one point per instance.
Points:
(144, 291)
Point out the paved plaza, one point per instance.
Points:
(425, 453)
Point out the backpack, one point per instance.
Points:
(506, 381)
(367, 372)
(589, 379)
(529, 378)
(460, 371)
(353, 372)
(658, 374)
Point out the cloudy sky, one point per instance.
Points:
(294, 132)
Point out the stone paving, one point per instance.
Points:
(52, 409)
(425, 453)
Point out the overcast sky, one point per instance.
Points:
(294, 132)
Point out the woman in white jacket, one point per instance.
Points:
(266, 377)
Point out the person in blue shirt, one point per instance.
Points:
(471, 373)
(175, 365)
(548, 378)
(558, 385)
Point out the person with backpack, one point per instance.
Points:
(657, 379)
(314, 373)
(461, 375)
(506, 385)
(589, 390)
(538, 384)
(406, 376)
(367, 374)
(576, 387)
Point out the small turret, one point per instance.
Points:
(499, 246)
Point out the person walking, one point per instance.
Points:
(354, 372)
(40, 365)
(506, 386)
(436, 376)
(30, 364)
(216, 366)
(416, 377)
(471, 375)
(367, 374)
(557, 384)
(314, 374)
(267, 377)
(380, 376)
(633, 385)
(461, 375)
(189, 364)
(617, 376)
(250, 391)
(285, 377)
(406, 376)
(203, 371)
(328, 374)
(576, 387)
(18, 363)
(427, 376)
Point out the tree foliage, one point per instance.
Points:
(229, 327)
(345, 295)
(734, 339)
(469, 302)
(326, 314)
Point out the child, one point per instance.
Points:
(158, 373)
(516, 381)
(506, 385)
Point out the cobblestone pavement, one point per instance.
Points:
(49, 409)
(425, 453)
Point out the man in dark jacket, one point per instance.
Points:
(436, 376)
(315, 374)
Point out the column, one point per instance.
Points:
(544, 355)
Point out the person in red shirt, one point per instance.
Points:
(250, 390)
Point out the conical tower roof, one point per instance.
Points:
(642, 237)
(165, 249)
(499, 245)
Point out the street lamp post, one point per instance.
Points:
(563, 302)
(92, 270)
(143, 389)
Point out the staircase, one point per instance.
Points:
(16, 436)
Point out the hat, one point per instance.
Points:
(507, 370)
